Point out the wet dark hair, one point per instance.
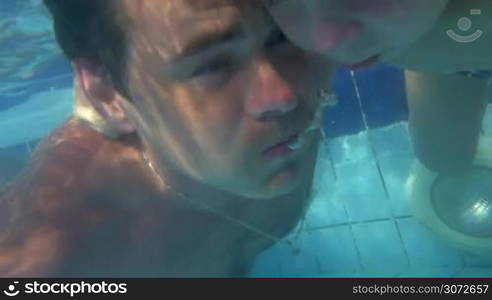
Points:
(93, 29)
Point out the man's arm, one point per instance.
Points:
(446, 113)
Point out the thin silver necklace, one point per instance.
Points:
(293, 243)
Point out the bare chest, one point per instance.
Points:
(147, 240)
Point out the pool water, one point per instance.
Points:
(362, 225)
(359, 223)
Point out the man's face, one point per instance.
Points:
(216, 87)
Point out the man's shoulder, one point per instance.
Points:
(66, 165)
(77, 149)
(61, 195)
(71, 142)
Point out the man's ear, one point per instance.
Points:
(101, 93)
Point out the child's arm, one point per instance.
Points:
(446, 114)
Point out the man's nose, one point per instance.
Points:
(269, 94)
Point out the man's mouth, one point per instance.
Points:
(283, 148)
(293, 143)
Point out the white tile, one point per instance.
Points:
(350, 149)
(391, 139)
(325, 160)
(425, 249)
(395, 156)
(335, 249)
(395, 168)
(360, 188)
(325, 209)
(380, 247)
(487, 121)
(329, 250)
(356, 194)
(358, 184)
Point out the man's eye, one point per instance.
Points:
(213, 68)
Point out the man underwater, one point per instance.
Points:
(191, 149)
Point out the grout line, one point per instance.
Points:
(327, 226)
(400, 236)
(373, 221)
(404, 217)
(369, 143)
(380, 172)
(378, 166)
(332, 163)
(357, 250)
(356, 223)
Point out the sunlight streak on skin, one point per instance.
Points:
(176, 147)
(158, 93)
(193, 127)
(167, 11)
(36, 256)
(156, 12)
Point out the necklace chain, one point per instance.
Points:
(292, 243)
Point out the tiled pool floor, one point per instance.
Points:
(355, 228)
